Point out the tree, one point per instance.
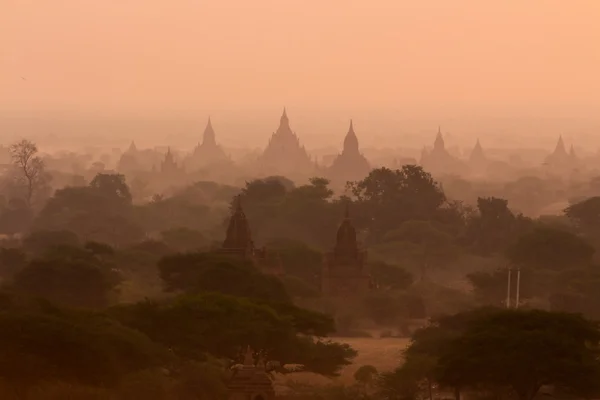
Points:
(12, 260)
(39, 242)
(41, 343)
(586, 216)
(30, 167)
(390, 277)
(509, 349)
(500, 349)
(390, 198)
(101, 212)
(420, 243)
(196, 272)
(495, 227)
(223, 325)
(365, 375)
(69, 276)
(184, 239)
(550, 248)
(112, 187)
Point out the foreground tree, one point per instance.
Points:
(507, 351)
(194, 325)
(70, 276)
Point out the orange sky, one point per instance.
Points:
(420, 58)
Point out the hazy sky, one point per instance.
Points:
(431, 59)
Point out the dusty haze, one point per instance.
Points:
(397, 67)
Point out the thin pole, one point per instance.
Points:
(508, 290)
(518, 286)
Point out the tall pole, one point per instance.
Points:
(518, 286)
(508, 290)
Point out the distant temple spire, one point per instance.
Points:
(284, 121)
(351, 141)
(560, 149)
(132, 147)
(209, 135)
(439, 140)
(477, 154)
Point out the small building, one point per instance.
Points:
(345, 272)
(250, 381)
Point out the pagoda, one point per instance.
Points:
(168, 165)
(130, 159)
(559, 158)
(284, 154)
(345, 273)
(350, 165)
(208, 152)
(238, 243)
(439, 160)
(478, 160)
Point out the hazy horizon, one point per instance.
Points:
(398, 68)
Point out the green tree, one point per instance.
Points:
(195, 272)
(195, 324)
(70, 276)
(365, 375)
(101, 212)
(184, 239)
(45, 344)
(40, 242)
(389, 198)
(550, 248)
(421, 244)
(499, 350)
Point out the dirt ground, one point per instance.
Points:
(384, 354)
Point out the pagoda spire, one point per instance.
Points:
(132, 147)
(351, 141)
(560, 147)
(209, 135)
(439, 140)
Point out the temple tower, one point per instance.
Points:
(168, 165)
(238, 238)
(350, 165)
(439, 160)
(284, 154)
(560, 160)
(208, 153)
(238, 242)
(345, 273)
(250, 380)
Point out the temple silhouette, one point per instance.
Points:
(350, 164)
(345, 273)
(284, 155)
(238, 243)
(208, 153)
